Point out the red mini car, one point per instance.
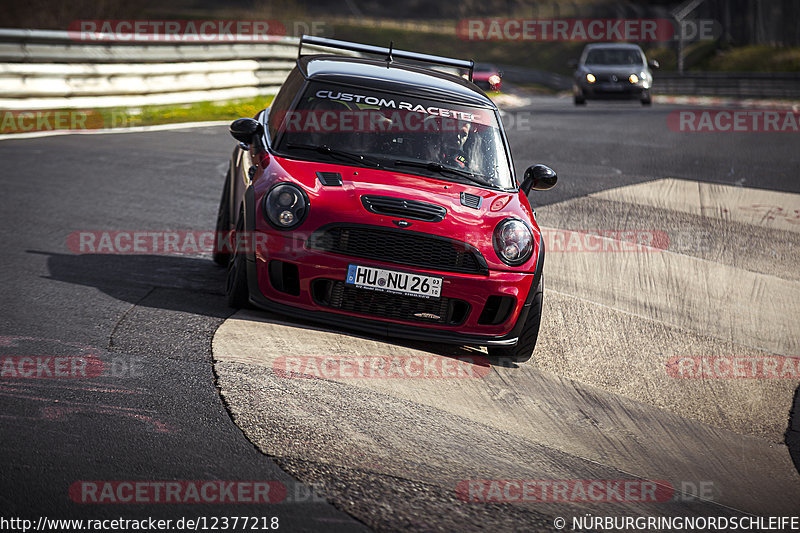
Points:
(378, 195)
(487, 77)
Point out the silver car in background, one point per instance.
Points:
(613, 71)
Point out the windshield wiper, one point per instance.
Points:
(327, 150)
(441, 169)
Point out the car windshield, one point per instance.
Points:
(411, 135)
(614, 56)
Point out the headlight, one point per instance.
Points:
(494, 79)
(285, 206)
(513, 241)
(633, 78)
(590, 78)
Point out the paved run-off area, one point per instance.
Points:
(644, 369)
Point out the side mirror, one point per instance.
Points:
(244, 129)
(538, 177)
(572, 63)
(653, 64)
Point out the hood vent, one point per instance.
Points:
(471, 200)
(331, 179)
(402, 208)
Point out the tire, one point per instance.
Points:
(577, 95)
(523, 350)
(236, 281)
(646, 99)
(223, 227)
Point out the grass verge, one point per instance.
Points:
(121, 117)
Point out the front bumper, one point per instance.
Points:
(314, 265)
(487, 86)
(611, 91)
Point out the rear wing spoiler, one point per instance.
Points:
(390, 53)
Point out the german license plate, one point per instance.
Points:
(379, 279)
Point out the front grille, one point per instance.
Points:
(609, 78)
(402, 208)
(401, 247)
(339, 295)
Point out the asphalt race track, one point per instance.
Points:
(191, 391)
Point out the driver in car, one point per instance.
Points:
(445, 146)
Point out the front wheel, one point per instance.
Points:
(646, 98)
(236, 283)
(222, 235)
(577, 95)
(523, 350)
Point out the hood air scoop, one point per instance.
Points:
(331, 179)
(471, 200)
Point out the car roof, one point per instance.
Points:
(612, 45)
(394, 77)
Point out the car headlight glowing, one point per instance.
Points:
(494, 79)
(285, 205)
(513, 241)
(590, 78)
(633, 78)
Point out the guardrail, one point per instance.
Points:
(724, 84)
(42, 69)
(729, 84)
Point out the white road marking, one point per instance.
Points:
(744, 307)
(133, 129)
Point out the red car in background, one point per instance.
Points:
(487, 77)
(380, 196)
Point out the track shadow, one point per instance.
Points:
(130, 277)
(188, 284)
